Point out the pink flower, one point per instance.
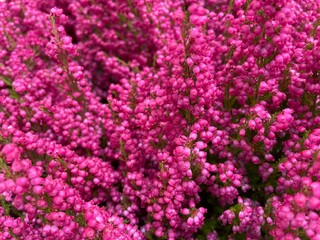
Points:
(11, 152)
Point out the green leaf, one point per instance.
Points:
(6, 80)
(13, 94)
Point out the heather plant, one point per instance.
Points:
(159, 119)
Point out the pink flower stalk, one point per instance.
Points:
(159, 119)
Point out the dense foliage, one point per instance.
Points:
(163, 119)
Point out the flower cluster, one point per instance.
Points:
(138, 119)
